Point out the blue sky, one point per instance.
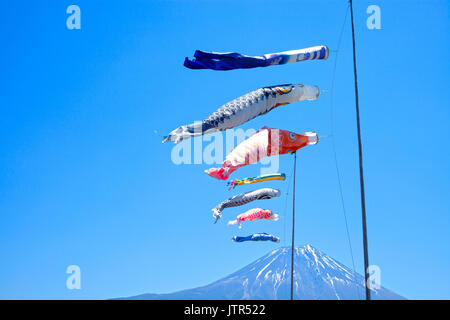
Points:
(84, 179)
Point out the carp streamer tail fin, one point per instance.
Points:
(233, 222)
(184, 132)
(217, 213)
(220, 173)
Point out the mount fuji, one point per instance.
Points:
(317, 277)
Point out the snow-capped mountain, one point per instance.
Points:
(317, 276)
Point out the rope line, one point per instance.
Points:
(333, 140)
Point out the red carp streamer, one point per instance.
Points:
(265, 142)
(254, 214)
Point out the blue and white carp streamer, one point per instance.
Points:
(232, 60)
(244, 198)
(245, 108)
(257, 237)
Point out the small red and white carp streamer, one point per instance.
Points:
(266, 142)
(254, 214)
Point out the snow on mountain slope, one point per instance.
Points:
(317, 276)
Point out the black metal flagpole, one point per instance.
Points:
(293, 229)
(361, 173)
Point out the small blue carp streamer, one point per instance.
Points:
(257, 237)
(232, 60)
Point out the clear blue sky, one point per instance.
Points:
(85, 180)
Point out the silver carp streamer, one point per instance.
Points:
(244, 198)
(245, 108)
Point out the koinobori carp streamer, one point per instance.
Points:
(244, 198)
(265, 142)
(266, 177)
(254, 214)
(256, 237)
(232, 60)
(245, 108)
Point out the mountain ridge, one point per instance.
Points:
(316, 277)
